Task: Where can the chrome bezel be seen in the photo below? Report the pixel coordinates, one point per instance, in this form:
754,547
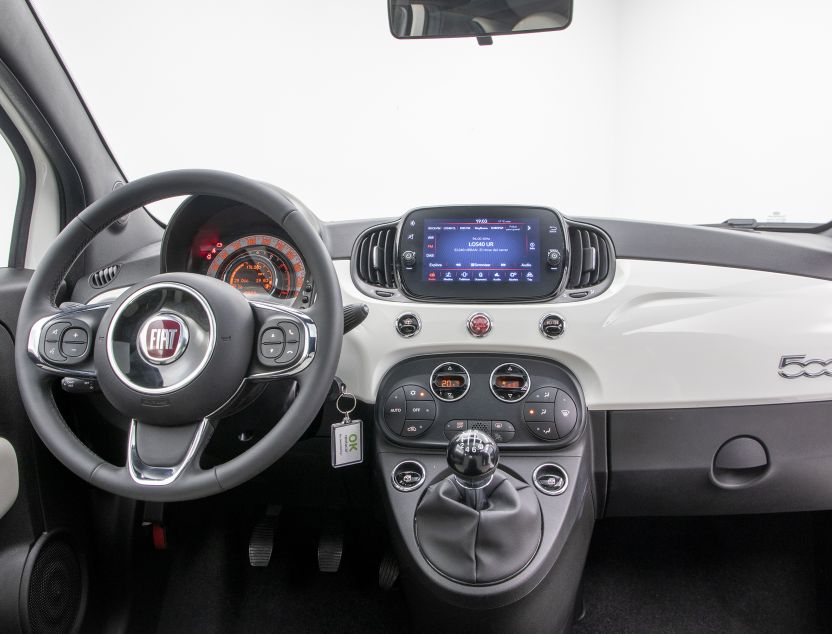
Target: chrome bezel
310,342
544,318
409,313
397,486
525,391
560,491
467,382
471,317
181,343
212,338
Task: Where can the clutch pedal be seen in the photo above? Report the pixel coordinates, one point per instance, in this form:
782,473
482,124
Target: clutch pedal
261,543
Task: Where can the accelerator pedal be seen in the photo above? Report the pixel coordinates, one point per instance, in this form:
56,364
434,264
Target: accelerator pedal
261,543
331,545
388,571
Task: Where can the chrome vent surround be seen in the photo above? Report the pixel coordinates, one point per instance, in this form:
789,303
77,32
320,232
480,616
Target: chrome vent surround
590,257
103,277
374,256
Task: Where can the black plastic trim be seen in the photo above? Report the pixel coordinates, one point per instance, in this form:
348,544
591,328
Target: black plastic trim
26,190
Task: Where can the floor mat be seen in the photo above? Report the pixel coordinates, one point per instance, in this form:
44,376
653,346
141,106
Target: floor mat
211,588
731,574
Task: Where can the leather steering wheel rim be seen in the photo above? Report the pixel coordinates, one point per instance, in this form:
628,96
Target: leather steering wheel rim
39,300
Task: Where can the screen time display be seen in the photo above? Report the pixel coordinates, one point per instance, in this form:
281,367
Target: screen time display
481,251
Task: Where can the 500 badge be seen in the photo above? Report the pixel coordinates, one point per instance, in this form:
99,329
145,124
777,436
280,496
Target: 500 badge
797,366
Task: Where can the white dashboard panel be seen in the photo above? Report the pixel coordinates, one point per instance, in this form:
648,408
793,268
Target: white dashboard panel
664,335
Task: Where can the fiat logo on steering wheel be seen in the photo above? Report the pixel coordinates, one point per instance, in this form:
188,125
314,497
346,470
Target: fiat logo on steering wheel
163,338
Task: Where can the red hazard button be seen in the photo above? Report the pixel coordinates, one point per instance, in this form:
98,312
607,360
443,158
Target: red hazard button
479,324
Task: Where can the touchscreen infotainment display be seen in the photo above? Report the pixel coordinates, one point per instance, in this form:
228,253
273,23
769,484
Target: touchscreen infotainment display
481,253
489,250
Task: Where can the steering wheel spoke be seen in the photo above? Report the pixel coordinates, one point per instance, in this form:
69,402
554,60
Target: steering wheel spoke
62,343
157,455
285,341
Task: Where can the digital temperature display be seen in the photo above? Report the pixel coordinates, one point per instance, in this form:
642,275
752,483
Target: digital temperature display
446,382
509,383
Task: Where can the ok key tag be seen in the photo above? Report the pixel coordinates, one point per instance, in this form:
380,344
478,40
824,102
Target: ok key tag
347,443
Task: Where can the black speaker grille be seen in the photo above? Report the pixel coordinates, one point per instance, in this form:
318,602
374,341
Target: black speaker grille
55,588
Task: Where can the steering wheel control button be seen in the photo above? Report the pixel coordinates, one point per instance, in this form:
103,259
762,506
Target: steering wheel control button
421,410
449,381
479,324
417,393
544,431
509,382
414,428
550,479
291,351
502,431
408,325
566,414
271,350
55,330
394,410
74,335
290,330
552,326
52,351
73,350
273,336
453,427
408,476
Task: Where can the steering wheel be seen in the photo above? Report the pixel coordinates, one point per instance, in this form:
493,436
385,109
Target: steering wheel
175,352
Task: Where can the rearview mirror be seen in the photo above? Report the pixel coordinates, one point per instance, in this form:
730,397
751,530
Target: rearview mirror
476,18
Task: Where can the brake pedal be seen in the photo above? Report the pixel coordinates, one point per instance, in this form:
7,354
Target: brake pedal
388,571
331,546
261,543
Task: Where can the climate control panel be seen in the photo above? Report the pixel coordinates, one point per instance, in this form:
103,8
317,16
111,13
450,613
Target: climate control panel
522,402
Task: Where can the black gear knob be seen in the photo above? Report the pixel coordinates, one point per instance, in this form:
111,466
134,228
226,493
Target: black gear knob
473,456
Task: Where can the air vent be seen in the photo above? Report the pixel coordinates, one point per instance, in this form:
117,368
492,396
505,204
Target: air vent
373,256
589,258
101,278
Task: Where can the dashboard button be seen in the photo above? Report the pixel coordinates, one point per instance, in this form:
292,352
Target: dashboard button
421,410
502,431
271,351
544,431
416,393
552,326
55,330
539,413
413,428
543,395
394,411
273,336
408,324
566,414
453,427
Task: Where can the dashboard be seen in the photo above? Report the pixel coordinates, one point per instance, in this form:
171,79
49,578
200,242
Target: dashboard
662,343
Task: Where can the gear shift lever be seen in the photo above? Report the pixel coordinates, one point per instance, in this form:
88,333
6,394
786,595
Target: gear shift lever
473,456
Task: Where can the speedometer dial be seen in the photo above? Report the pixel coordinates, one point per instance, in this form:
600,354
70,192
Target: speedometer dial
260,265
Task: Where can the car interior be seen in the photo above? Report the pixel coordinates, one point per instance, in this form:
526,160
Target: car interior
454,418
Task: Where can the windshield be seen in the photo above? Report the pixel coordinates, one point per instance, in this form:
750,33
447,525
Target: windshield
690,111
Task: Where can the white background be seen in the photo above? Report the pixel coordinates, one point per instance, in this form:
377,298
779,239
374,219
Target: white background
675,110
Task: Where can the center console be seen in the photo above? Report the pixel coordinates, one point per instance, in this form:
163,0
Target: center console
485,467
